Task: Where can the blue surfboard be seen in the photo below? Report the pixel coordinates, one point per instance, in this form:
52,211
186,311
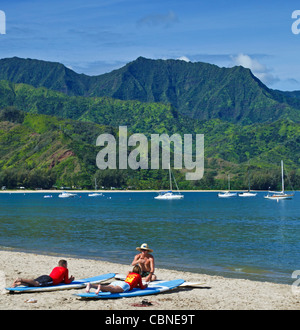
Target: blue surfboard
74,285
154,289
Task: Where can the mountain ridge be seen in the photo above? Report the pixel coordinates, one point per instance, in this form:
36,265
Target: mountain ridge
198,90
53,141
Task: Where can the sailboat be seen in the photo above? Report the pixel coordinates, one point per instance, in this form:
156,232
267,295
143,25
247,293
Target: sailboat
248,193
227,193
95,194
276,195
66,195
170,194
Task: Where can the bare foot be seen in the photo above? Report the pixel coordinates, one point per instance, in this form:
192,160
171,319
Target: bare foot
17,282
98,289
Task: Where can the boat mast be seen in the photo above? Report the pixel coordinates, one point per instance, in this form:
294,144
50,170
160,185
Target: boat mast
248,181
282,179
170,177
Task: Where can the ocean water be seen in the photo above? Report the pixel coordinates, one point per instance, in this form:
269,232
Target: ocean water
250,238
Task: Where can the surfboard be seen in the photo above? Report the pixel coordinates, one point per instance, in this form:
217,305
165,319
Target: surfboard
184,284
153,289
74,285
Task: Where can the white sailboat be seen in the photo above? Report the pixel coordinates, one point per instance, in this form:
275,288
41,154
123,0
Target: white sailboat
248,193
170,194
48,196
277,195
95,194
227,194
66,195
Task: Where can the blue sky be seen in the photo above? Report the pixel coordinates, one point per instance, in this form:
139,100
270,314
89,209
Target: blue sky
95,37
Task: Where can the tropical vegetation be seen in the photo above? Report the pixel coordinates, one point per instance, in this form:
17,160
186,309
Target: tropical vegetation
50,118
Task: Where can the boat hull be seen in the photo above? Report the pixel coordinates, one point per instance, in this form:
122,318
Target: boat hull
169,197
279,197
227,195
247,195
66,195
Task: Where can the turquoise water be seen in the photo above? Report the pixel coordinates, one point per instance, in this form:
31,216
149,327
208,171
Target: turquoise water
240,237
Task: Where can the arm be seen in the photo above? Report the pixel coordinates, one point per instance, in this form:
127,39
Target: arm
136,260
141,285
152,267
68,280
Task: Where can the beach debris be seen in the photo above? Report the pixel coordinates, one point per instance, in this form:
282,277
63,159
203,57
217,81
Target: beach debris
31,300
144,303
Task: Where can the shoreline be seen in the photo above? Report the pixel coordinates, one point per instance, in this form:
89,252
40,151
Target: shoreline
227,273
48,191
215,293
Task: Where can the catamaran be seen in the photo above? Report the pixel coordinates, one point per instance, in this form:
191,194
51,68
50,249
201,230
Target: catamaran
276,195
170,194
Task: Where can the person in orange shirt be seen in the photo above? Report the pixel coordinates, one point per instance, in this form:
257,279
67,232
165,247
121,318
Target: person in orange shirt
133,280
58,275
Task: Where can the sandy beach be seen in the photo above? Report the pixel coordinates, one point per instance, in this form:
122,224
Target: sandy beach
216,293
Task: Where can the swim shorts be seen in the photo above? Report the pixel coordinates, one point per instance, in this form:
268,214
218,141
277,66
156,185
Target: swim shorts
44,280
145,274
125,286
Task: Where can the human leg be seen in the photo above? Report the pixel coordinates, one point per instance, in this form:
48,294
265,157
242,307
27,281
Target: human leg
24,281
114,287
89,286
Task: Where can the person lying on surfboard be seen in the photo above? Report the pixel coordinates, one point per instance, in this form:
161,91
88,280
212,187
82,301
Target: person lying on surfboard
58,275
146,262
133,280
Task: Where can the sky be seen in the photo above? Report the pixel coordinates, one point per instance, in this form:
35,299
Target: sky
98,36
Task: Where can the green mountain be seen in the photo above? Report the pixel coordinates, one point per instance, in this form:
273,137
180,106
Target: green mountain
140,117
39,151
50,118
39,73
197,90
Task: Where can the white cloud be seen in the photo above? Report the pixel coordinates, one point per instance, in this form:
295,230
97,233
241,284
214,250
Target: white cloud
258,69
184,58
247,62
